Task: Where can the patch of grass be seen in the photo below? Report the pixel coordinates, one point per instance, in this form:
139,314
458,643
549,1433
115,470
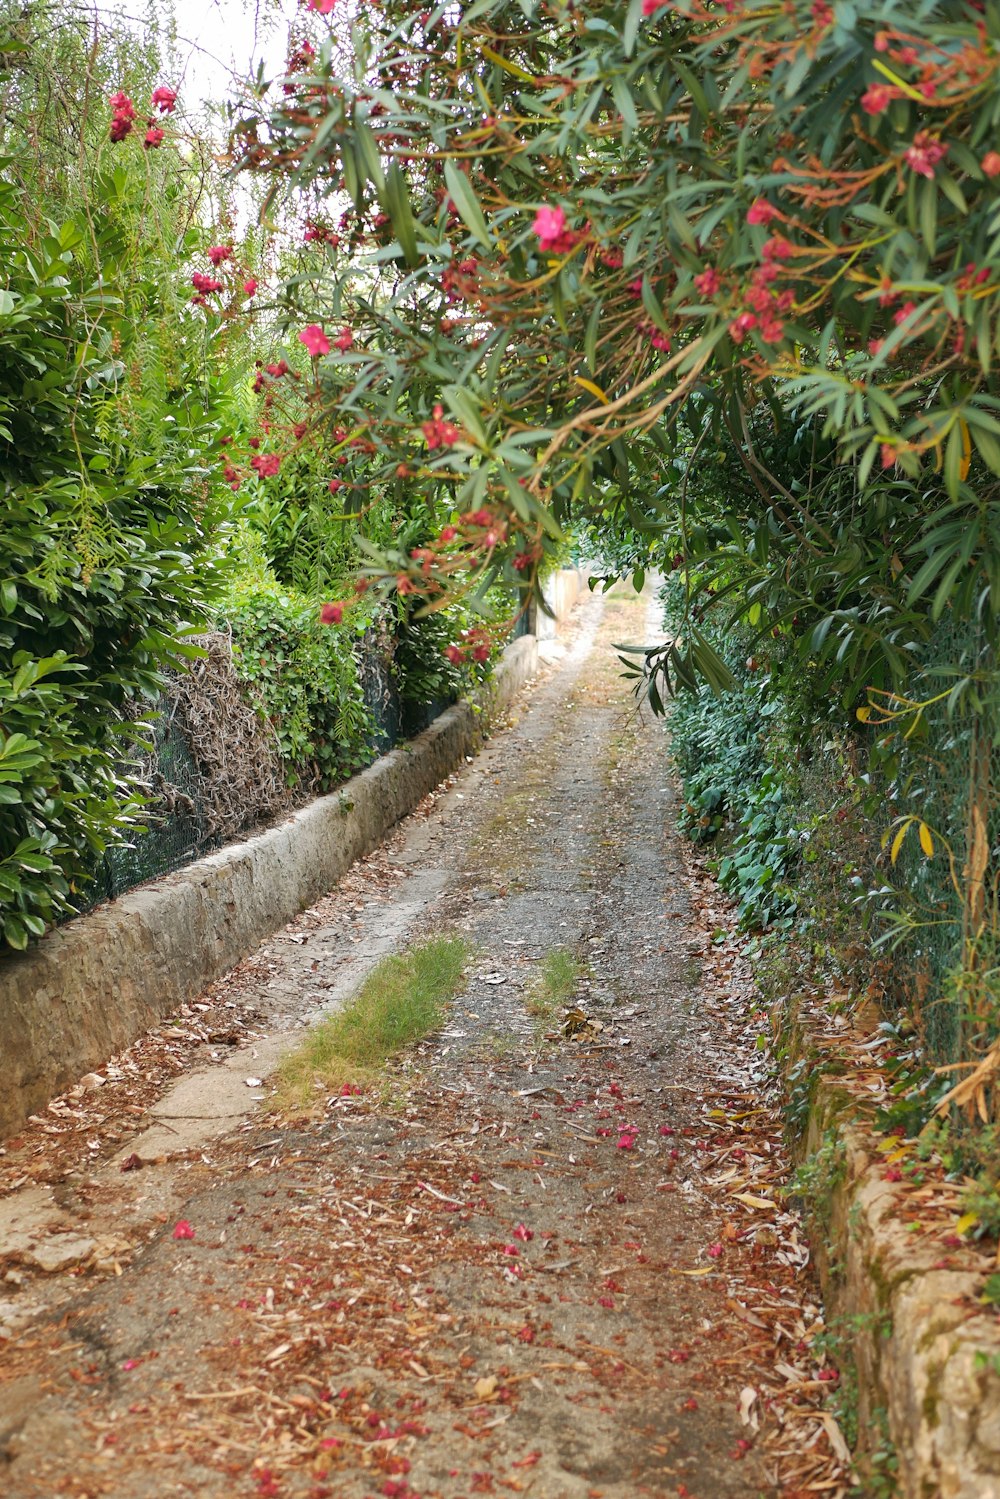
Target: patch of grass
402,999
555,985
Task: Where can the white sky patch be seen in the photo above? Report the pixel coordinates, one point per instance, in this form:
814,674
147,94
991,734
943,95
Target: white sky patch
221,42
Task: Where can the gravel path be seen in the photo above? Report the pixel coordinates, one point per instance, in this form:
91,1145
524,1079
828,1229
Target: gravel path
523,1270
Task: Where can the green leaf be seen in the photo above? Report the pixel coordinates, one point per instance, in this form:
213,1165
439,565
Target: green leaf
465,201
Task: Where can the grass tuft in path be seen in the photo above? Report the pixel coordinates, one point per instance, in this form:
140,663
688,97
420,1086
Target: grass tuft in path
555,986
402,999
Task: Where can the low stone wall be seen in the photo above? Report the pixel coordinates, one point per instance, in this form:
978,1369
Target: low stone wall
928,1364
561,592
90,988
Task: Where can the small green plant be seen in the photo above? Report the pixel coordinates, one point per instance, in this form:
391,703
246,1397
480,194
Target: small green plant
402,999
819,1176
555,985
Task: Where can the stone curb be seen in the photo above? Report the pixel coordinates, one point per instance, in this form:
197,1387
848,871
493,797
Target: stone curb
89,989
928,1371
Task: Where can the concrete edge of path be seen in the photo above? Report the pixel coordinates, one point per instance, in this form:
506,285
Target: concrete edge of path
91,988
928,1366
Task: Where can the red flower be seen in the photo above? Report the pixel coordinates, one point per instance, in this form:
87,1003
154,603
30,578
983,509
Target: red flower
331,614
203,283
250,286
549,225
448,533
164,99
714,1251
887,454
183,1230
991,163
153,137
218,253
650,7
708,281
322,7
925,153
740,326
877,96
122,105
511,1250
344,340
315,340
761,212
335,485
454,654
439,433
523,1233
266,465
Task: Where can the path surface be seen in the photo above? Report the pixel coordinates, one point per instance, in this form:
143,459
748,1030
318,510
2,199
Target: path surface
527,1271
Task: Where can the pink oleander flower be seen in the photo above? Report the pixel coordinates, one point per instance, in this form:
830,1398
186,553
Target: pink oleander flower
315,340
164,99
877,97
266,465
549,225
708,281
925,153
761,212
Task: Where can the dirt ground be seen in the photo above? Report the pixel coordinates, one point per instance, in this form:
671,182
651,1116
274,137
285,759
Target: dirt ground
553,1263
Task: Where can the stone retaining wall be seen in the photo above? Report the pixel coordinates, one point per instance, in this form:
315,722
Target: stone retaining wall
928,1363
90,988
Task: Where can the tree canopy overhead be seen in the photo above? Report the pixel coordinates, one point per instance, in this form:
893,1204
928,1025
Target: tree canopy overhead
540,232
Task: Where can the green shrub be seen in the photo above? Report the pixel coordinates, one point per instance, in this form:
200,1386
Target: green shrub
108,551
303,676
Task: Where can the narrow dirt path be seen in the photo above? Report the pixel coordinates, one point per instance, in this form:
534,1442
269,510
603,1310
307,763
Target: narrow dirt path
548,1264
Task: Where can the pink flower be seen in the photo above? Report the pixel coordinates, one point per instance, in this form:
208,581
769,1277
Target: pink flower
877,96
153,137
344,340
607,1301
322,7
331,614
523,1233
626,1140
887,455
164,99
203,283
218,253
761,212
439,433
454,654
991,164
511,1250
448,533
740,326
549,225
266,465
250,286
650,7
315,340
183,1230
714,1251
925,153
122,105
708,281
335,486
